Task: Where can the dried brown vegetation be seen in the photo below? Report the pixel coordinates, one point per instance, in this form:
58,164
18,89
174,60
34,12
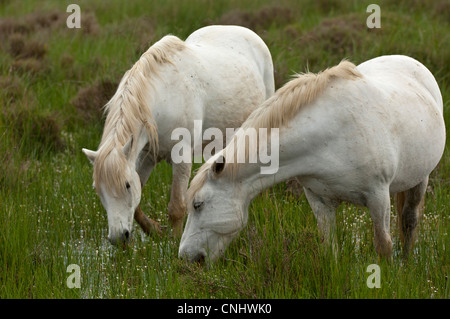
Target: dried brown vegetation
41,129
28,54
90,100
44,22
257,20
33,128
25,39
20,48
12,88
442,9
337,35
31,66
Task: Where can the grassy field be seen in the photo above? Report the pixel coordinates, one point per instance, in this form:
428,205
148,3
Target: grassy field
53,83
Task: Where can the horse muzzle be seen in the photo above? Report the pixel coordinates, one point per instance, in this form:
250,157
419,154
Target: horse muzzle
118,238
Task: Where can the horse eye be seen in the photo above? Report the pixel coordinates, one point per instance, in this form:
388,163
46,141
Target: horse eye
198,205
127,185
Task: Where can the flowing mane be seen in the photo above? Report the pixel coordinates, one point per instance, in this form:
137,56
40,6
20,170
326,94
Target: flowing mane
304,89
276,112
128,111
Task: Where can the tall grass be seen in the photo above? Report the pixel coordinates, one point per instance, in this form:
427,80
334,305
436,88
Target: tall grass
50,217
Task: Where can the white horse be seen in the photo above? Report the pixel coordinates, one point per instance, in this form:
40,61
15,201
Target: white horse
218,75
355,134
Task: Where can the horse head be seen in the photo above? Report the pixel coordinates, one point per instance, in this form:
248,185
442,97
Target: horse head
119,187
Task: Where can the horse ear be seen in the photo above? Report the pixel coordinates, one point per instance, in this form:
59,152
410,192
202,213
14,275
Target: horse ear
218,165
127,147
91,155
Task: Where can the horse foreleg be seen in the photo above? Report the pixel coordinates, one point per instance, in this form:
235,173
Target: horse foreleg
325,212
144,169
177,205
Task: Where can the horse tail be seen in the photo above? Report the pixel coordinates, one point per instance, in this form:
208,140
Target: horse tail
399,204
400,199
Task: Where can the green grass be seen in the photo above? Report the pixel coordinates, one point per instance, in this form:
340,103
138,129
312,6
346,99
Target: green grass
50,217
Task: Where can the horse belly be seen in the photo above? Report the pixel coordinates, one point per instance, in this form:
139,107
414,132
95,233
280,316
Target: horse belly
333,159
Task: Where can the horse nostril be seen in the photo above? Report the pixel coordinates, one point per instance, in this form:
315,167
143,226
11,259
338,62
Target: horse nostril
127,234
200,259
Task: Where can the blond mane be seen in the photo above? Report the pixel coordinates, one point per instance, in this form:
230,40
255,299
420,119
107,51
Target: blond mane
128,112
277,111
304,89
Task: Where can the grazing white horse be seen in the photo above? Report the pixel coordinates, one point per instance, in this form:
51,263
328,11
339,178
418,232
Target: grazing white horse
218,75
355,134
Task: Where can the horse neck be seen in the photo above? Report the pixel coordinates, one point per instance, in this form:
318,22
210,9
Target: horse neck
145,161
258,177
141,141
256,182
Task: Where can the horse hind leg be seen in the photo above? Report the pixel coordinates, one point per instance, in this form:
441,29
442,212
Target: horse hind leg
410,206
